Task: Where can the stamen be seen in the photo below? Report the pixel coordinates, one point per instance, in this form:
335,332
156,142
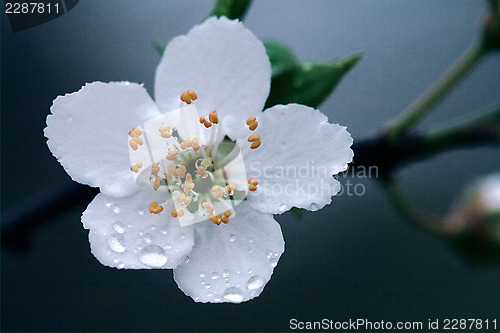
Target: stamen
156,183
224,219
227,213
192,94
165,131
155,168
133,144
202,120
251,120
253,126
253,184
255,144
137,140
213,117
216,219
177,213
136,131
252,188
253,138
207,124
135,168
154,208
172,154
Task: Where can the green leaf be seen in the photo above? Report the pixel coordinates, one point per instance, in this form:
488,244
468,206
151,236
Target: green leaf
281,57
308,83
232,9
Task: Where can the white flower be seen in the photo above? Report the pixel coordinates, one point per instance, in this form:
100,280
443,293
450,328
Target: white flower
227,67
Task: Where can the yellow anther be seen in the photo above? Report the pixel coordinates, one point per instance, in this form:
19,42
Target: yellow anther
205,204
253,126
189,178
180,213
156,183
183,145
155,168
182,196
154,208
166,135
187,201
201,172
192,94
250,121
207,124
213,117
208,207
216,219
135,168
202,120
255,144
224,219
188,186
133,144
252,188
138,140
136,131
186,98
253,137
219,194
228,189
181,171
227,213
164,129
195,141
173,213
253,181
173,152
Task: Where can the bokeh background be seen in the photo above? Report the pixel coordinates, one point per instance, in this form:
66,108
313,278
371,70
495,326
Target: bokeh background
354,259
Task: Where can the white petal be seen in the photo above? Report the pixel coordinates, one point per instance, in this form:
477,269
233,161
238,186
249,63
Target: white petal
232,262
124,234
224,63
88,133
300,152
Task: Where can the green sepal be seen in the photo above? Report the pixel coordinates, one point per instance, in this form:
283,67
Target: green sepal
232,9
308,83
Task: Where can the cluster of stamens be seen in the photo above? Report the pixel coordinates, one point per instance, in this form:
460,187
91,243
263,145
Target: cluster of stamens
179,178
135,140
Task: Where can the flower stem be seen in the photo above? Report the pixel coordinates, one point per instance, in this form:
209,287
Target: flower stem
407,209
425,102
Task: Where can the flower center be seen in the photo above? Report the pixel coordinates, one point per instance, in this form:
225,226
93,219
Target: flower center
204,176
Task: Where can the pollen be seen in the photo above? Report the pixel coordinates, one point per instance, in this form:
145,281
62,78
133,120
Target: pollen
136,131
253,181
177,213
165,131
202,120
154,208
155,168
156,183
252,123
172,154
138,140
253,138
135,168
188,96
207,124
251,120
133,144
255,144
252,188
227,213
213,117
215,218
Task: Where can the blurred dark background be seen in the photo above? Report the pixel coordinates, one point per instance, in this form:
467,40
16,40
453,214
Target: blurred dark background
354,259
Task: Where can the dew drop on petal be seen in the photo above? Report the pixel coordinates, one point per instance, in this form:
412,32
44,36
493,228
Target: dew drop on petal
119,227
274,262
115,243
215,275
207,286
226,273
233,294
185,260
168,246
282,208
232,238
255,282
116,209
313,207
153,256
202,274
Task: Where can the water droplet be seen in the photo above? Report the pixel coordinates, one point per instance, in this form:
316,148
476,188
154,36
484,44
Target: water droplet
250,271
140,212
210,295
226,273
168,246
147,238
313,207
119,227
185,260
215,275
233,294
232,238
121,265
269,254
115,261
108,204
282,208
207,286
255,282
115,243
153,256
274,262
202,282
116,209
202,274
